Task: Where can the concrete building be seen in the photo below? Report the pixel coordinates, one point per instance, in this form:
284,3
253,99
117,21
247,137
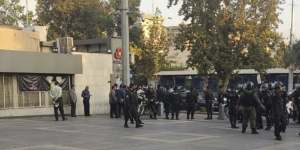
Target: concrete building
177,57
24,54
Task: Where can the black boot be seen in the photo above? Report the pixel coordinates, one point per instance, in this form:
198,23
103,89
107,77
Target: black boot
268,128
138,126
254,131
278,138
244,130
126,126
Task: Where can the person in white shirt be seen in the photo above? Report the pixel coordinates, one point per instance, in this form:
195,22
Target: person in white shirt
56,95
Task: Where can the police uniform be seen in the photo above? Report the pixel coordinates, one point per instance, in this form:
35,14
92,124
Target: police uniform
208,103
150,94
296,96
265,96
278,112
175,105
232,105
167,103
191,101
130,108
248,102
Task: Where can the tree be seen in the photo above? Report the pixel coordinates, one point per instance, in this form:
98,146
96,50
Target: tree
292,56
225,35
12,13
80,19
155,48
134,11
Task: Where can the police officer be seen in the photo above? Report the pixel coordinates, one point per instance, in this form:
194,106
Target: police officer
208,96
150,94
167,102
175,104
248,102
278,112
113,102
296,97
130,106
191,101
233,98
120,93
265,96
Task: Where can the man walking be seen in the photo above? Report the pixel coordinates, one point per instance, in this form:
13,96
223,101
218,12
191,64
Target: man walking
232,105
265,96
86,100
278,112
73,98
130,107
56,95
248,102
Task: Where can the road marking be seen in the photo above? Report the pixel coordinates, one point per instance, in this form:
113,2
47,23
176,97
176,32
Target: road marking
41,147
159,137
281,146
58,130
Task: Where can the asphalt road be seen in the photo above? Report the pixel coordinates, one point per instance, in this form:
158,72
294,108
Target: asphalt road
102,133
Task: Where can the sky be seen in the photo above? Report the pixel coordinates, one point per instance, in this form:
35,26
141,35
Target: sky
173,19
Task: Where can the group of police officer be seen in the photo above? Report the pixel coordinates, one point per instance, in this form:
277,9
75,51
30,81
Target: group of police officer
248,104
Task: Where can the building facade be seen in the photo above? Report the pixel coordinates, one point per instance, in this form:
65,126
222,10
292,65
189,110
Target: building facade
28,64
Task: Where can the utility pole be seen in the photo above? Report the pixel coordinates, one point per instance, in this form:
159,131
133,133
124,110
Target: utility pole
125,42
292,66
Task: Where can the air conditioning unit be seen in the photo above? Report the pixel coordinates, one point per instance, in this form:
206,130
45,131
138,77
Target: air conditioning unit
64,45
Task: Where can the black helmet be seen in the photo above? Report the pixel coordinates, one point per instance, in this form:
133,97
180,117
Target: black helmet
249,85
277,86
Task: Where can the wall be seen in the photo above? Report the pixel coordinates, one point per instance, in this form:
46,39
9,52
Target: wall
97,69
33,62
15,39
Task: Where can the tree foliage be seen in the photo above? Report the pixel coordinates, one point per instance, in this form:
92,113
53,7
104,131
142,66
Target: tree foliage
225,35
155,48
292,56
12,13
80,19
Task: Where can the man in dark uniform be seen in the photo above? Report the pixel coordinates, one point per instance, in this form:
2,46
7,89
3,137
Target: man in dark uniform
161,94
130,107
233,98
120,93
191,101
265,97
86,100
278,112
167,102
150,94
296,96
248,103
208,96
175,104
113,102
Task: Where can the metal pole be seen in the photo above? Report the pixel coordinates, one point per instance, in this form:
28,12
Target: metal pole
291,67
125,42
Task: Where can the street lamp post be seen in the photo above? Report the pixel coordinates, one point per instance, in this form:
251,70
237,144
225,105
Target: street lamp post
125,42
292,66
